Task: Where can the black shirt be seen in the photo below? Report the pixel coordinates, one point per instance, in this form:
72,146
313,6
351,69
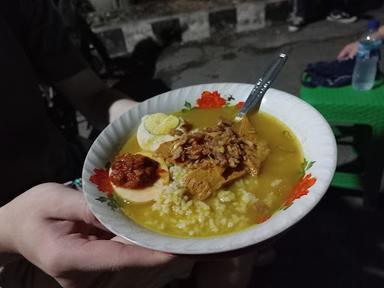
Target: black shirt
33,49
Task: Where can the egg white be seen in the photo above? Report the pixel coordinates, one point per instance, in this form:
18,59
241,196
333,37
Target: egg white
150,142
146,194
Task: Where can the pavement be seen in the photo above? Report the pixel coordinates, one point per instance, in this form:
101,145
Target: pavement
241,57
340,243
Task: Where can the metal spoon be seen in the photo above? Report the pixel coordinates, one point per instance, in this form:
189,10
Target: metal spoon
252,104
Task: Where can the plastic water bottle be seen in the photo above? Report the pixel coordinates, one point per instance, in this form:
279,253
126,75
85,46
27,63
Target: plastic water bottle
367,58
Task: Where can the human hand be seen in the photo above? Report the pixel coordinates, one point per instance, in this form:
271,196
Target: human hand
349,51
51,226
119,107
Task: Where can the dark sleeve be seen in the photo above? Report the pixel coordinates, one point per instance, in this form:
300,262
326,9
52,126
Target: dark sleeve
47,43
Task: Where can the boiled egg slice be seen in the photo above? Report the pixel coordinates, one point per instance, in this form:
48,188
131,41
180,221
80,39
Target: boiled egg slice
155,129
146,194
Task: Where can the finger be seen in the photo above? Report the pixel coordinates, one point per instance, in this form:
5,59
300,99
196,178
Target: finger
89,230
122,240
352,53
111,255
342,54
68,204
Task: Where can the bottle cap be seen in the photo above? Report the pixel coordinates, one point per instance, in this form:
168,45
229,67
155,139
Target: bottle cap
373,24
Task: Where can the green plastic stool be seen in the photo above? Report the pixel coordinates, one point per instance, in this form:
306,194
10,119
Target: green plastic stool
345,105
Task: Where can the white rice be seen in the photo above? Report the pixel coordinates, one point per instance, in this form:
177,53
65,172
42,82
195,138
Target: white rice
225,212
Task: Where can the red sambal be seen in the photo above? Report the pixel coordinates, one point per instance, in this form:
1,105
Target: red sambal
134,171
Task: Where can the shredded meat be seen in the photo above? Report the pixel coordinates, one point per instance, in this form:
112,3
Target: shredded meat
134,171
256,150
216,156
227,145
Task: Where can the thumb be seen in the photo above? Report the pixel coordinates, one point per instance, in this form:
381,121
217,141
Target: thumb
112,255
67,204
98,254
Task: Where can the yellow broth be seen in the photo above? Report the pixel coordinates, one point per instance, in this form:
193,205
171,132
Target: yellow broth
280,172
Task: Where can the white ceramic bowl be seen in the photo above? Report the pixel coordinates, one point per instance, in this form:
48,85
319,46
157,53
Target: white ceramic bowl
308,125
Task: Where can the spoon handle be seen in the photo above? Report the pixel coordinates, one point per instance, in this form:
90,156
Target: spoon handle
254,99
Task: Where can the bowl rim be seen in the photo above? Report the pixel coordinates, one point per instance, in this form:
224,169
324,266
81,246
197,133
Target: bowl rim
215,244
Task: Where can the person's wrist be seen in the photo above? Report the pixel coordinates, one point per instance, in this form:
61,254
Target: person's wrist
6,231
8,250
